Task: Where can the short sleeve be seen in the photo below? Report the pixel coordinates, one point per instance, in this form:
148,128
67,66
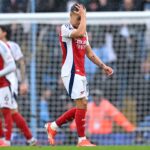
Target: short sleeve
5,53
66,30
16,51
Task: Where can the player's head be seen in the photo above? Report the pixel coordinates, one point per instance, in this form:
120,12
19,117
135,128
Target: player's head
75,18
97,95
5,32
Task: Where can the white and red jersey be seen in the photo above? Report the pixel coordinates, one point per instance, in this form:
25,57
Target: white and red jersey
17,55
73,51
5,58
15,50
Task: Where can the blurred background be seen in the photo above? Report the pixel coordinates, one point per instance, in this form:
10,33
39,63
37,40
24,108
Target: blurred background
119,107
16,6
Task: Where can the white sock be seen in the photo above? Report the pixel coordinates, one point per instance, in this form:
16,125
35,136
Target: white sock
30,140
7,142
54,126
81,138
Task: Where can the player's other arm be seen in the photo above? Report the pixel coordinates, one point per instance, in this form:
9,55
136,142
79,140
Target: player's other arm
23,85
21,64
8,60
81,30
96,60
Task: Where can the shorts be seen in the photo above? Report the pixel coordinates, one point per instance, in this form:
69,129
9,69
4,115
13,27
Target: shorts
7,98
76,86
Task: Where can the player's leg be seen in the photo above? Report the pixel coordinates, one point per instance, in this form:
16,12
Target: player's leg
76,87
53,127
1,128
21,123
69,115
5,104
81,105
80,93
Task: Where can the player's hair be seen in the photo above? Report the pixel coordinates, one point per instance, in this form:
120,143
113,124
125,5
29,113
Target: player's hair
7,29
73,7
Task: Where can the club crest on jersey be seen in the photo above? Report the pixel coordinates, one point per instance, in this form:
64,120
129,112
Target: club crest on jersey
82,92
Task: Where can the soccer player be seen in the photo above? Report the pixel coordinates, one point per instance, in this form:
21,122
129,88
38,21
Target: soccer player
15,50
7,68
75,45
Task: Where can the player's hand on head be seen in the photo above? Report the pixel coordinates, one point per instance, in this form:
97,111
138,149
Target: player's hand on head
108,70
23,88
81,9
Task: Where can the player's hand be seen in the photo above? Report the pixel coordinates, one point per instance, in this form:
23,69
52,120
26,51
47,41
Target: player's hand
81,10
23,88
108,70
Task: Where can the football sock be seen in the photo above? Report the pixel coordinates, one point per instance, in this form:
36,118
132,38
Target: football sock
8,142
8,122
54,126
1,129
67,116
81,138
80,122
22,125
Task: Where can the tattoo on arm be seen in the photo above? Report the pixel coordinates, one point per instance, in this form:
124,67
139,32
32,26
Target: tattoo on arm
22,70
92,57
97,61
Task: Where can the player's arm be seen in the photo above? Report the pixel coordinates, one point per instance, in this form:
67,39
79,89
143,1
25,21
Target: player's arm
81,30
23,85
96,60
19,58
22,67
9,62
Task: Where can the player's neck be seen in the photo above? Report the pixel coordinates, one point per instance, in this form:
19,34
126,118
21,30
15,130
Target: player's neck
4,40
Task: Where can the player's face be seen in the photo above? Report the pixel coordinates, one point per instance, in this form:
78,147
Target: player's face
2,34
75,20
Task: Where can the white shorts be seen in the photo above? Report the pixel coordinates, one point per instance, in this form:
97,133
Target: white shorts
76,86
7,98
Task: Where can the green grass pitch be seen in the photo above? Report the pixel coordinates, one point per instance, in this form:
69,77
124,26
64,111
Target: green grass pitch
76,148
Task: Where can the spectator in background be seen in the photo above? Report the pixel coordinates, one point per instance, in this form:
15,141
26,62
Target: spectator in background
98,5
146,5
104,6
43,107
51,5
93,5
128,5
130,49
45,5
14,6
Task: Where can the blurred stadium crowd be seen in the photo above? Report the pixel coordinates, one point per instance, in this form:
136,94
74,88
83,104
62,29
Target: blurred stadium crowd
15,6
124,47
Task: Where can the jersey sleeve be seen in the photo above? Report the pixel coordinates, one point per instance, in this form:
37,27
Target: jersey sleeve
66,30
6,54
9,63
16,51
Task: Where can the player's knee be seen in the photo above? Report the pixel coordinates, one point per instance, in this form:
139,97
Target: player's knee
13,111
81,103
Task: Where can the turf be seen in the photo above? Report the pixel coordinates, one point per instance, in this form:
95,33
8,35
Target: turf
77,148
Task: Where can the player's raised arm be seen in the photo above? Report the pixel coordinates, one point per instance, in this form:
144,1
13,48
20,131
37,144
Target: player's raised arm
78,19
96,60
8,60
